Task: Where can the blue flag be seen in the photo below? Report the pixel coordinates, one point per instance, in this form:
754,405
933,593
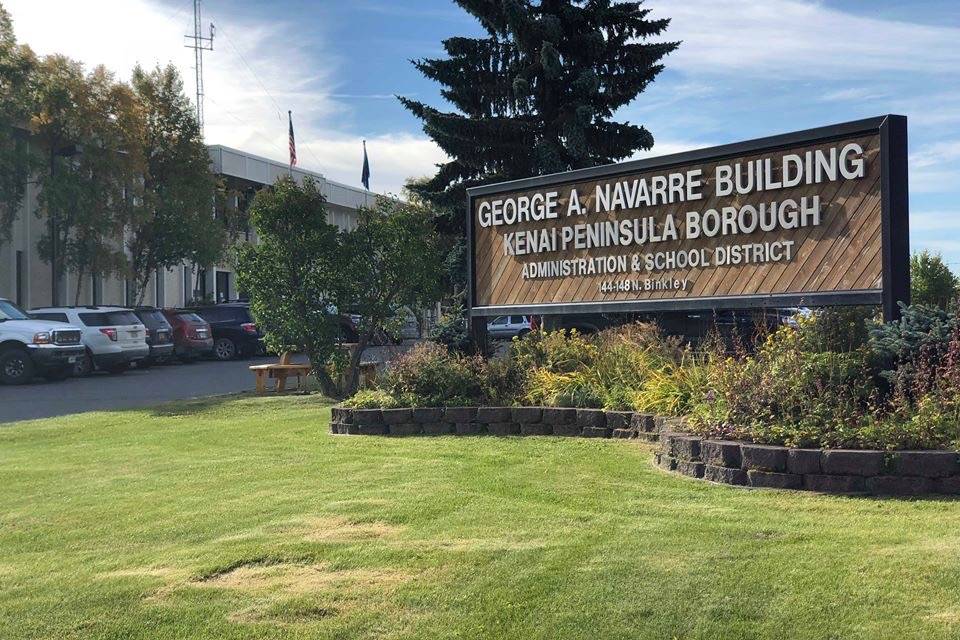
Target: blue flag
365,175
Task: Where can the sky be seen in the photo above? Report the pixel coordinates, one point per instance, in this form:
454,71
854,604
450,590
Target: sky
745,69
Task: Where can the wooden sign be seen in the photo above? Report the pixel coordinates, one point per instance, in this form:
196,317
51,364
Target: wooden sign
810,218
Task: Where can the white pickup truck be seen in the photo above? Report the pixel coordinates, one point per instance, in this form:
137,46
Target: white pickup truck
30,347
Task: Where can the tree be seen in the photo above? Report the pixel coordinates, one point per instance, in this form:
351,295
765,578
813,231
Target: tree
390,260
174,222
291,274
537,94
931,282
16,162
87,130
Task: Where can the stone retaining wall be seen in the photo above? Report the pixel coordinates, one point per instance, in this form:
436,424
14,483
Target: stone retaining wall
825,470
736,463
499,421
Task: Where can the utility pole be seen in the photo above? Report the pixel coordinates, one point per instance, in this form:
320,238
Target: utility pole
199,43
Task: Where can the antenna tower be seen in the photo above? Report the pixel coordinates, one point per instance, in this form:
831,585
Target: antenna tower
199,43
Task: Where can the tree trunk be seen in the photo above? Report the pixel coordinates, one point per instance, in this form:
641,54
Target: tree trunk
76,295
353,372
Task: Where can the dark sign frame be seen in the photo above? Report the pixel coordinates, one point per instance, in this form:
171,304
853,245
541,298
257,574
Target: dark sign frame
894,212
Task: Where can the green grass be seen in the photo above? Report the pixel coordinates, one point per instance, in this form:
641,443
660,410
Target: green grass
244,518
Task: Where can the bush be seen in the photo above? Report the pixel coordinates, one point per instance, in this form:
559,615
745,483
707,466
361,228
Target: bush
451,331
817,384
371,399
429,375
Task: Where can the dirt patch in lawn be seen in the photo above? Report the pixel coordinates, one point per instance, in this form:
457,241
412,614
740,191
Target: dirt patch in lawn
293,578
327,529
289,593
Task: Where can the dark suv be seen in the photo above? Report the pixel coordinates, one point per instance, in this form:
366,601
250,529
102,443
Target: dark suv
234,331
159,335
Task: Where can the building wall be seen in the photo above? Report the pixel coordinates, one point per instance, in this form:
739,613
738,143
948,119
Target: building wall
35,274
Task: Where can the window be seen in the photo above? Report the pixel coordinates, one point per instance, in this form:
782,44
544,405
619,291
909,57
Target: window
52,317
190,317
516,319
154,317
109,318
158,288
10,311
186,284
502,320
19,277
97,289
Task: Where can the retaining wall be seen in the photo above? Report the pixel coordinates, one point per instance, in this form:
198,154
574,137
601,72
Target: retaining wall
824,470
500,421
727,462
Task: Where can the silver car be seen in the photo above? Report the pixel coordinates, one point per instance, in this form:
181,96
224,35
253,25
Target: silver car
506,327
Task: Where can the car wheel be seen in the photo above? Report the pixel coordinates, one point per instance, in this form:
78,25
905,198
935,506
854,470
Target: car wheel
225,349
16,367
60,374
84,366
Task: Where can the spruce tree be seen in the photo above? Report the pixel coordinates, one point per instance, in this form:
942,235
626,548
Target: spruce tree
537,95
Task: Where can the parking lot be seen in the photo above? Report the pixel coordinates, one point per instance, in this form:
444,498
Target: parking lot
142,388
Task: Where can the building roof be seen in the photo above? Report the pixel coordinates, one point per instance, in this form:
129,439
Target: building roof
247,166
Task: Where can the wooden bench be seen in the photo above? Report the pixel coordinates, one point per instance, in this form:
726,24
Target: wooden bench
280,372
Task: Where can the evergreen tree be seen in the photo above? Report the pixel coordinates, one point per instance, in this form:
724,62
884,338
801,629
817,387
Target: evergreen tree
538,93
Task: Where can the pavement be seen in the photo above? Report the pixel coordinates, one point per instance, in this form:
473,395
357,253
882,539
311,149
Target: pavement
140,388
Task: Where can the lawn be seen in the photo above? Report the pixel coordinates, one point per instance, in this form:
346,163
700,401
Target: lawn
244,518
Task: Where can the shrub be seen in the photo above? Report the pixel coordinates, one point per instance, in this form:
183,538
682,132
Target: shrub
451,331
920,329
371,399
430,375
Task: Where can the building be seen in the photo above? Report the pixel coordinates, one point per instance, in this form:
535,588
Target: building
27,279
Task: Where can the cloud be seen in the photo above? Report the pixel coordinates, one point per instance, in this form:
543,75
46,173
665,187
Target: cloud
935,167
250,80
393,158
790,38
853,94
934,221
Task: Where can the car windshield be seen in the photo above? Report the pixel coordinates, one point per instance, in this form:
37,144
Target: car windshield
10,311
109,318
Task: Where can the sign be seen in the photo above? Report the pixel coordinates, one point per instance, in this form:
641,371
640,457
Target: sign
811,218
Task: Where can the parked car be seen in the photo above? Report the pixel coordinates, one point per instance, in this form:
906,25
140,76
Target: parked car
114,337
29,346
508,326
192,336
159,335
234,331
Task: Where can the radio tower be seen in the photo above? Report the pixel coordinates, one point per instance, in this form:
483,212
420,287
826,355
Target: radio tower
199,43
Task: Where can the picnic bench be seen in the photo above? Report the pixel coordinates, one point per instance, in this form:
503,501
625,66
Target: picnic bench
280,371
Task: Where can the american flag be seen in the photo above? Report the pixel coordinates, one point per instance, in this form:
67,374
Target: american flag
293,144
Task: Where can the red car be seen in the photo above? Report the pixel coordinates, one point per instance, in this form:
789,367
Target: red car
192,337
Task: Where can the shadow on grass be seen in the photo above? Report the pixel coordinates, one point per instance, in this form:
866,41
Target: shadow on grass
197,406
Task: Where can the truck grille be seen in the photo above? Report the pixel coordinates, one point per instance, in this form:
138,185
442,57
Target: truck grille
66,338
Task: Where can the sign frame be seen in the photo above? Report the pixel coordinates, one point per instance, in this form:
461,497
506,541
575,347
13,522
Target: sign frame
894,213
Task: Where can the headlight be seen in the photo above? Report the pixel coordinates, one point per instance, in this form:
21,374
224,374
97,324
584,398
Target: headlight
41,338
